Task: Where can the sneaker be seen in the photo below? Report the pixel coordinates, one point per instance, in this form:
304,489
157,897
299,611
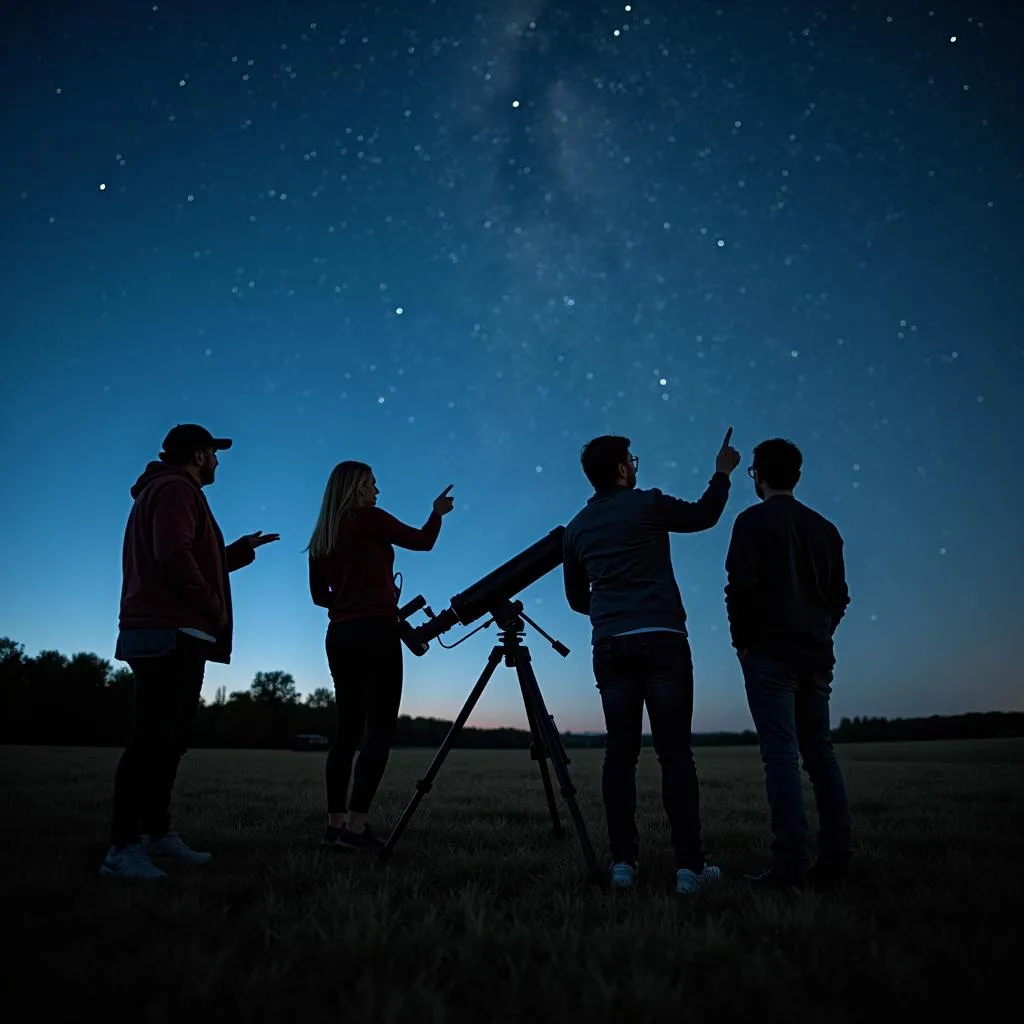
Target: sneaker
129,862
173,847
365,840
690,881
623,875
331,835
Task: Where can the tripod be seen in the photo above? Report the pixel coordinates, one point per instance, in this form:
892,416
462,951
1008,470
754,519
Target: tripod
545,742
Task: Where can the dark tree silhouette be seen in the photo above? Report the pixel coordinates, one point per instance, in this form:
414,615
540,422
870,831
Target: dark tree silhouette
274,686
84,701
321,697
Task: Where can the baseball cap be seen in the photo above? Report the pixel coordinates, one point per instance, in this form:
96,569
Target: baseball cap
190,437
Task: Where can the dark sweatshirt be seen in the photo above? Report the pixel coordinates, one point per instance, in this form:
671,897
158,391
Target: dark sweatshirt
786,590
357,580
175,568
616,561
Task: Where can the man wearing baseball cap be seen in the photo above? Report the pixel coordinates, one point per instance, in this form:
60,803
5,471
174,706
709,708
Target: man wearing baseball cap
175,616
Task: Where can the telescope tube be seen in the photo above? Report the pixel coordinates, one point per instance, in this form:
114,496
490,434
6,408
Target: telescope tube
499,585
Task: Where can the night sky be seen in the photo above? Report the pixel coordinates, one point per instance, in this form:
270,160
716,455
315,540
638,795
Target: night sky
456,240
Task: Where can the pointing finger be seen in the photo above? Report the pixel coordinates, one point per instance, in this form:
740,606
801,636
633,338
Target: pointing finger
728,438
444,493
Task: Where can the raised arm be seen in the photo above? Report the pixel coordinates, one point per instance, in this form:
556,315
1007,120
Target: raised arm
383,526
678,516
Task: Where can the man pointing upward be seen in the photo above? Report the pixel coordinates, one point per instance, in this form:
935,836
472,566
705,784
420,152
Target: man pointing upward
617,569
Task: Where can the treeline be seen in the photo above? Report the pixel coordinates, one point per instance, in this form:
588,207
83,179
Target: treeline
82,700
976,725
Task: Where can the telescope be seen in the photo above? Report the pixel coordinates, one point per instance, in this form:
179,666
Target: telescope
494,594
487,594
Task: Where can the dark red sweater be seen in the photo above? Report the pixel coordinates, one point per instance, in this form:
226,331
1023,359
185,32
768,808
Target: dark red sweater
358,580
174,562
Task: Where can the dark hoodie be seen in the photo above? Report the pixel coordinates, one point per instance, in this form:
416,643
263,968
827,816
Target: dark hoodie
175,567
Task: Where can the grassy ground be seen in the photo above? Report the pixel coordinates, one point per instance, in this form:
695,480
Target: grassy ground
482,916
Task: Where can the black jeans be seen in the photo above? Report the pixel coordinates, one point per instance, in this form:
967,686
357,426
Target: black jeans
167,692
656,669
365,658
790,709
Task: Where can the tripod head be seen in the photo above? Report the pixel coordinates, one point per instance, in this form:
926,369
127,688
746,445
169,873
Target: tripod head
509,617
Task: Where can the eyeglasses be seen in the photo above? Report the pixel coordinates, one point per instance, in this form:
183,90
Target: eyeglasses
635,459
750,472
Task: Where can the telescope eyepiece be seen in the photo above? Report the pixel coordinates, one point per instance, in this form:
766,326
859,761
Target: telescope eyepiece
413,606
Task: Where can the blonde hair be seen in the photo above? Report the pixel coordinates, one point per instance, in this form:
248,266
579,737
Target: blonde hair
340,496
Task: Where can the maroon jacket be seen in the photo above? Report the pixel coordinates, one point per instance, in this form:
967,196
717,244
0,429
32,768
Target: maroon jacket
358,580
174,562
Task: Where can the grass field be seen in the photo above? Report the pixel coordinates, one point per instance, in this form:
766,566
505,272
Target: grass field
482,916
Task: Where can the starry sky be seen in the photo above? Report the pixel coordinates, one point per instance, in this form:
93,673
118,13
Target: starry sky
456,240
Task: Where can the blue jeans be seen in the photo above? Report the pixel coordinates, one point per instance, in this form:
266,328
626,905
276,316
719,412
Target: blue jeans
656,669
790,709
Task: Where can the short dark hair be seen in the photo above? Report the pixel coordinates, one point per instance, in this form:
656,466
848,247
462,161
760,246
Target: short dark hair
601,457
778,463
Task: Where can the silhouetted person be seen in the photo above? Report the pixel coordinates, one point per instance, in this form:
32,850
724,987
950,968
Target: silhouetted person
785,596
175,617
618,570
351,573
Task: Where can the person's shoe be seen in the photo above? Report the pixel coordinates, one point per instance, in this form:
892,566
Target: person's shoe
129,862
331,835
688,880
623,875
365,840
173,847
771,879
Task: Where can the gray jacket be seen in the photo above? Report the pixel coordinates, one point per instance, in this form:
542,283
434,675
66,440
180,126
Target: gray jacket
616,560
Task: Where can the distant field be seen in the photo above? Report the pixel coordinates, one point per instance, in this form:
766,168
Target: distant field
481,916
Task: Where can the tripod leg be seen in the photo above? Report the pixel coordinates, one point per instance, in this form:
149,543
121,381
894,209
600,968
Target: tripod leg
548,732
540,753
424,784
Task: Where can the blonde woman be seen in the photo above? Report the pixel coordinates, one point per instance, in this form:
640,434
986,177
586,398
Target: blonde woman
351,574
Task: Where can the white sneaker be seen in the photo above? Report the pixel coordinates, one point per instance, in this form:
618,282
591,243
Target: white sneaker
623,875
173,847
129,862
691,881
